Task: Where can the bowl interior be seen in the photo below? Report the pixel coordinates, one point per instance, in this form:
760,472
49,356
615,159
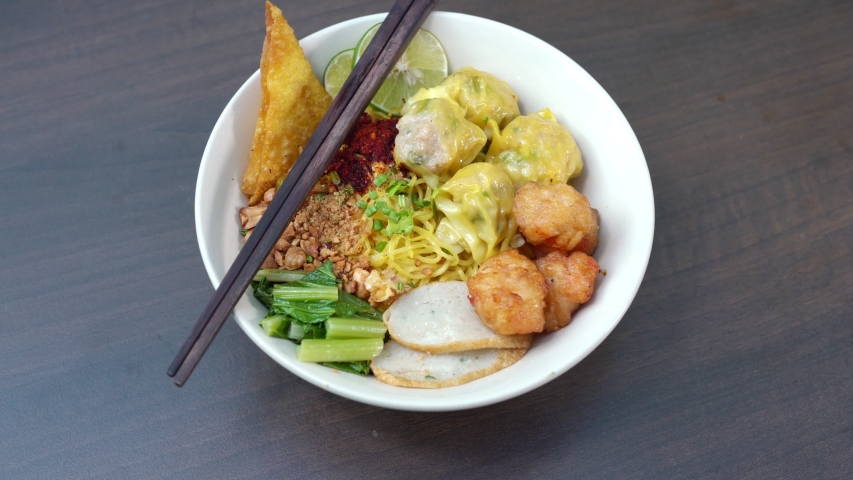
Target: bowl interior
615,179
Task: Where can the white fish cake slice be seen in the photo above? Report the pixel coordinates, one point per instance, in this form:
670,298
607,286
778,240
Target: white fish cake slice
438,318
404,367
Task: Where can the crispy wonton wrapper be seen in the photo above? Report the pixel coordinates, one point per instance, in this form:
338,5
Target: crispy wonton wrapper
292,104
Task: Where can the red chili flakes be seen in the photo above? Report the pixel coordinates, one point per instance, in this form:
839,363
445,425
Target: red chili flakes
354,169
370,141
374,139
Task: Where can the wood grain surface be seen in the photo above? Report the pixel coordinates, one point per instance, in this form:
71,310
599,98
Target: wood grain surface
734,361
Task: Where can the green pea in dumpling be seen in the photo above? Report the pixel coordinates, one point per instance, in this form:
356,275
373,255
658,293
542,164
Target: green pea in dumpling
435,140
477,208
483,96
536,148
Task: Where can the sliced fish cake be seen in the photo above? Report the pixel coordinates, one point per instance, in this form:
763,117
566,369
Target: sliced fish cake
438,318
404,367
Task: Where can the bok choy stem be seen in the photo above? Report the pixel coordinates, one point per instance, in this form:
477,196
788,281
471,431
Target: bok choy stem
337,350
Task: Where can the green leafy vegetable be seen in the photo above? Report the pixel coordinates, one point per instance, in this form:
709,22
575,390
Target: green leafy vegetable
263,291
348,350
310,300
279,276
276,326
351,306
313,331
340,327
359,368
300,311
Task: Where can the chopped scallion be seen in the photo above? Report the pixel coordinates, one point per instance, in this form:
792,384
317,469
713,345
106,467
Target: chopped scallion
380,179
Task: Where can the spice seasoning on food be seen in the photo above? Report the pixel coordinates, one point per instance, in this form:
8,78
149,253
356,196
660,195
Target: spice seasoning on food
374,139
369,142
353,169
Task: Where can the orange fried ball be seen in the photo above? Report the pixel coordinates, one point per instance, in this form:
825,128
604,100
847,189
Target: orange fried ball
571,281
508,293
557,217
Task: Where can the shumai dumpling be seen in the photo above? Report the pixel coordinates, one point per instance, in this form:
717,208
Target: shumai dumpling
435,140
477,207
483,96
536,148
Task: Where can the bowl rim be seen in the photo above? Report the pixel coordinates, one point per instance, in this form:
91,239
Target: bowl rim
445,403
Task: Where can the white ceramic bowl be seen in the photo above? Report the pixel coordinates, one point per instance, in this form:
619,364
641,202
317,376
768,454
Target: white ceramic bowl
615,179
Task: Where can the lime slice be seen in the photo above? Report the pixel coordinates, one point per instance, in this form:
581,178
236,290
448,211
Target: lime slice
422,65
337,71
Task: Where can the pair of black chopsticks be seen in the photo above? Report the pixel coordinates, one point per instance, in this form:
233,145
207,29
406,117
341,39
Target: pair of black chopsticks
392,38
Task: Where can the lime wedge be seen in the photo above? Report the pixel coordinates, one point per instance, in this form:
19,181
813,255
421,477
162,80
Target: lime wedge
337,71
422,65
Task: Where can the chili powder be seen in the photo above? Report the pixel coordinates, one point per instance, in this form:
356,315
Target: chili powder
369,141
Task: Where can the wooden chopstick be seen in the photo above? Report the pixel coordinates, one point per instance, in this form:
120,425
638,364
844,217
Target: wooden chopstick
386,47
257,244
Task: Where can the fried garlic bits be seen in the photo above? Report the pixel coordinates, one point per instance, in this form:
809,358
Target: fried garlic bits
508,293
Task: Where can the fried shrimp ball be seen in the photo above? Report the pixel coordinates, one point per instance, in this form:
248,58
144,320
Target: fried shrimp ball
508,293
558,217
571,281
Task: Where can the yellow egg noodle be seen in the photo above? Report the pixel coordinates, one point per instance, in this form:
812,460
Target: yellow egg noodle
418,257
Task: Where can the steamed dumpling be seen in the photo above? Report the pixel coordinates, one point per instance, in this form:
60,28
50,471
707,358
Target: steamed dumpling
477,208
483,96
435,140
536,148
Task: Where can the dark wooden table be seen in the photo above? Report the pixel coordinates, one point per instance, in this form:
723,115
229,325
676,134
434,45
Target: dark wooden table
735,360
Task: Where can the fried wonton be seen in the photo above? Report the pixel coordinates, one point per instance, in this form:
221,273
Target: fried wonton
292,104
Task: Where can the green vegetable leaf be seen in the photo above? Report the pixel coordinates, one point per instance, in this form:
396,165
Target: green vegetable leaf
312,331
276,326
359,368
310,300
351,306
263,291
